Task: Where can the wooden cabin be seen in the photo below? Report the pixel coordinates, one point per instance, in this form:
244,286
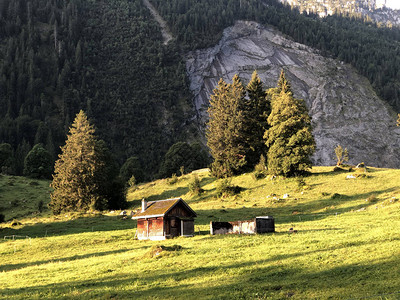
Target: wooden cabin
159,220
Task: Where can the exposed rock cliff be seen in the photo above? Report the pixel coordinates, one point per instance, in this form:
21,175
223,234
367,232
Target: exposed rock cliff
376,10
344,108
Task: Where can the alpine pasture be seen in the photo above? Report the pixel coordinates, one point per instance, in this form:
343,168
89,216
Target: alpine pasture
344,242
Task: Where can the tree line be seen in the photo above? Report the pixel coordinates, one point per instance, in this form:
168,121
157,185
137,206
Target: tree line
250,125
246,124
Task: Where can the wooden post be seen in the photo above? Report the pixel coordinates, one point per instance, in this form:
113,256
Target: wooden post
181,227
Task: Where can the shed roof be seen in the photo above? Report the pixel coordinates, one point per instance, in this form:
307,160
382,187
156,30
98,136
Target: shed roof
161,208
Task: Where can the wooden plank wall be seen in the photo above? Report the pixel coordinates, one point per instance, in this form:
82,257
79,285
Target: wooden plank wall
180,211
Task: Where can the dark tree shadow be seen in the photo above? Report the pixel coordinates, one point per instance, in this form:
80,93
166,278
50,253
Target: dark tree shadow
265,281
10,267
76,226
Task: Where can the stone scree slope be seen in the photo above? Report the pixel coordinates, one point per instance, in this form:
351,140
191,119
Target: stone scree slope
344,108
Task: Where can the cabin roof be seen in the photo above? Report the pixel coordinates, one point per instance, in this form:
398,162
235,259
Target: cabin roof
161,208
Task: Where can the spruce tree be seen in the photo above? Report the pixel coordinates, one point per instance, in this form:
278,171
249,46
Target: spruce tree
256,109
78,173
289,137
225,128
283,84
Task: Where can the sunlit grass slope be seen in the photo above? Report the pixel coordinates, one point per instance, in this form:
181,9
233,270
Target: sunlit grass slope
21,197
347,245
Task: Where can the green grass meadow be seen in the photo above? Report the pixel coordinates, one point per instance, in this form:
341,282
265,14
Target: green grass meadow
346,243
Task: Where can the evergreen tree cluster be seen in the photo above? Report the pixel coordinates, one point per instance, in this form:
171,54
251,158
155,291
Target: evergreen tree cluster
248,124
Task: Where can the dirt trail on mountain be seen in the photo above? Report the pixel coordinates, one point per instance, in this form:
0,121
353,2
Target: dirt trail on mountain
166,33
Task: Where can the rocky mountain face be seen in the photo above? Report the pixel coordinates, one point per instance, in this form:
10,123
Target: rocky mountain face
376,10
385,16
344,108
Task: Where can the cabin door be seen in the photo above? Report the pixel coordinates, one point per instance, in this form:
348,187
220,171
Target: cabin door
187,227
175,226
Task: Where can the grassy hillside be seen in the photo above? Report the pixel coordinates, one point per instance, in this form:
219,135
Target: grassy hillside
346,245
22,197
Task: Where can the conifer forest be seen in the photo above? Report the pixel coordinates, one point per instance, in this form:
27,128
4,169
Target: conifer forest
108,58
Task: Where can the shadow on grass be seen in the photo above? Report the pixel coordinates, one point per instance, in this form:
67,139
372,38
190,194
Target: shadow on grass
175,193
290,212
207,180
273,277
370,170
10,267
168,194
76,226
282,214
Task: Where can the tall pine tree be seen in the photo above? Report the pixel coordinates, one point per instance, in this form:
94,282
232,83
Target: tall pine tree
79,171
256,108
289,137
225,128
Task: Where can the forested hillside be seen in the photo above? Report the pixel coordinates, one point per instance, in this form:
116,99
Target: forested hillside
108,58
373,50
105,57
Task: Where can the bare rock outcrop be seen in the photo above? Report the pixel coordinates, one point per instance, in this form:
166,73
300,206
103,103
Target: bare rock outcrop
344,108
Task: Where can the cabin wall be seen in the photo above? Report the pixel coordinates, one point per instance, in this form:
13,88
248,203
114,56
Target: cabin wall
257,225
187,227
156,227
141,231
265,224
150,229
236,227
180,210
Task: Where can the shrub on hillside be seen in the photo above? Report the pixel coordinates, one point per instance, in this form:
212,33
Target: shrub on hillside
371,199
174,179
338,196
225,188
260,169
132,182
301,183
194,186
342,155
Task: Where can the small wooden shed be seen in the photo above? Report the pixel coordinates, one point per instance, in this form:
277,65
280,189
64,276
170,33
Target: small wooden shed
159,220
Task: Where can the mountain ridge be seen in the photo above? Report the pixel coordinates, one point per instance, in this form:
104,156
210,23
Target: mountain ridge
375,10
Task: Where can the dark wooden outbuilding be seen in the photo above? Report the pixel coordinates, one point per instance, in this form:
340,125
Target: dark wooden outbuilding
159,220
257,225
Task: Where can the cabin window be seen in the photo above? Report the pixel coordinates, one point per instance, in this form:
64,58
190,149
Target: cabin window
174,222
